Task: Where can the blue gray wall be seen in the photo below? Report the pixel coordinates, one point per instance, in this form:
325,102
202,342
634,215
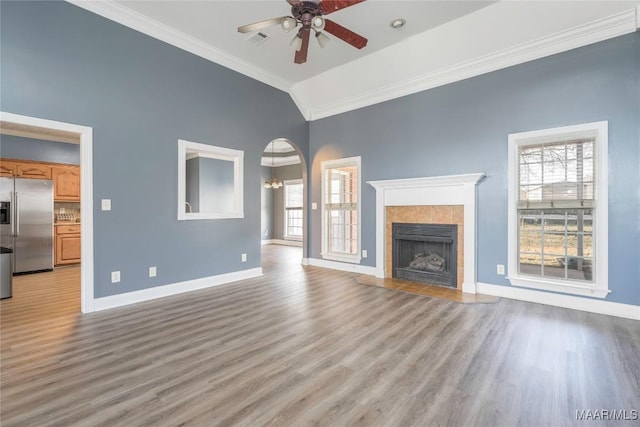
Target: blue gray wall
266,217
16,147
216,182
463,127
140,96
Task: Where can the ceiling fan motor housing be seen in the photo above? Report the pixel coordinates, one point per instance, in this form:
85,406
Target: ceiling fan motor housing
305,12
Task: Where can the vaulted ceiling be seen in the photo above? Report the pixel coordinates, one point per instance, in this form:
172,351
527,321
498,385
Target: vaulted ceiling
442,41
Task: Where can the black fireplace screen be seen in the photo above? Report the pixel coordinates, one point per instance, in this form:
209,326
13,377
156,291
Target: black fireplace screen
426,253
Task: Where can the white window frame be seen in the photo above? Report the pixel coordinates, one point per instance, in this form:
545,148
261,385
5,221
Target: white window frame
599,287
332,164
284,194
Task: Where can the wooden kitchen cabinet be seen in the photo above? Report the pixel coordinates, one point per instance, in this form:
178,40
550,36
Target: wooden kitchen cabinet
8,168
66,178
33,170
67,250
66,185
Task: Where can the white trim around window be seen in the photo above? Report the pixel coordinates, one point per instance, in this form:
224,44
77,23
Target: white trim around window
287,208
598,132
327,165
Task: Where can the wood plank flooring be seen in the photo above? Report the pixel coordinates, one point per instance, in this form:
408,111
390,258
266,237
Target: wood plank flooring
426,290
309,346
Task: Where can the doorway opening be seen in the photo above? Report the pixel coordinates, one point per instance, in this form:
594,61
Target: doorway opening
283,199
75,217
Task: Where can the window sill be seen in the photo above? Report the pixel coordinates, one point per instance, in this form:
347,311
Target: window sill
574,288
353,259
295,239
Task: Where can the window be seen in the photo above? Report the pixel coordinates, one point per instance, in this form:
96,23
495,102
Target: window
341,210
558,209
293,209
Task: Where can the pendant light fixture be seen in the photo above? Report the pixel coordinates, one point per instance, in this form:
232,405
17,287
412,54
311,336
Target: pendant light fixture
272,183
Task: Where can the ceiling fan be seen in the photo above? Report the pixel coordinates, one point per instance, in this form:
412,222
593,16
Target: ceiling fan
310,16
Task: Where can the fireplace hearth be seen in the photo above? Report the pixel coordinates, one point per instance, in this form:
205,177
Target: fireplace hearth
425,253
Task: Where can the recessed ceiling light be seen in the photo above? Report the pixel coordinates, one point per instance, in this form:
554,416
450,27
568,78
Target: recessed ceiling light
398,23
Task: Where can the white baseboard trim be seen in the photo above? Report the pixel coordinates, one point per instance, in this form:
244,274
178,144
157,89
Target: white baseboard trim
627,311
297,243
128,298
342,266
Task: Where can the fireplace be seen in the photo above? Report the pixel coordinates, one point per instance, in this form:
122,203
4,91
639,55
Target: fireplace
429,200
425,253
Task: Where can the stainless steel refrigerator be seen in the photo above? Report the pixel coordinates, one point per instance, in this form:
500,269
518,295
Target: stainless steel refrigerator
26,222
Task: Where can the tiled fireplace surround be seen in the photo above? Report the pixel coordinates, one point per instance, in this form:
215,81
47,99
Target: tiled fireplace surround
431,200
440,214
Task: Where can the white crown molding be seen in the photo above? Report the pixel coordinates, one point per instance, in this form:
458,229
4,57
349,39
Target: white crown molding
300,104
139,22
582,35
627,311
148,294
280,161
430,181
280,145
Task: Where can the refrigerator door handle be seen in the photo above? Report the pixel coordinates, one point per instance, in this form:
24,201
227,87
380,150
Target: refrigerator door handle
12,216
17,216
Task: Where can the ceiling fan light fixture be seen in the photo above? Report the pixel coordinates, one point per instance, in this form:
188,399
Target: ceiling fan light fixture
397,23
288,23
296,42
318,23
323,40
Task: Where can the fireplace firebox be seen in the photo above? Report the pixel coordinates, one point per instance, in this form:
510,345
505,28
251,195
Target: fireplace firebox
425,253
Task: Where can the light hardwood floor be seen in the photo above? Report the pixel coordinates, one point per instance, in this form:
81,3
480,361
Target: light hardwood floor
305,345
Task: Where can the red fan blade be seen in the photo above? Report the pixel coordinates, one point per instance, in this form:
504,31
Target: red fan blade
330,6
301,55
355,40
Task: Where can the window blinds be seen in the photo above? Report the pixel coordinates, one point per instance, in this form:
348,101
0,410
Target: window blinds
557,175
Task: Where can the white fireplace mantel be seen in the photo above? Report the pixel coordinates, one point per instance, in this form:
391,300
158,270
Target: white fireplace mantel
430,191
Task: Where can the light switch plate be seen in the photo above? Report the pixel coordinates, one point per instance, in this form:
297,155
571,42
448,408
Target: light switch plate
314,206
500,269
153,271
115,276
106,204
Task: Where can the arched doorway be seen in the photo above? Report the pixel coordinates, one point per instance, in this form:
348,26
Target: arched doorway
284,205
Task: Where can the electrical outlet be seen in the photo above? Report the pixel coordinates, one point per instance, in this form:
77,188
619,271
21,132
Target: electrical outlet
364,253
314,206
153,271
106,204
244,257
500,269
115,276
